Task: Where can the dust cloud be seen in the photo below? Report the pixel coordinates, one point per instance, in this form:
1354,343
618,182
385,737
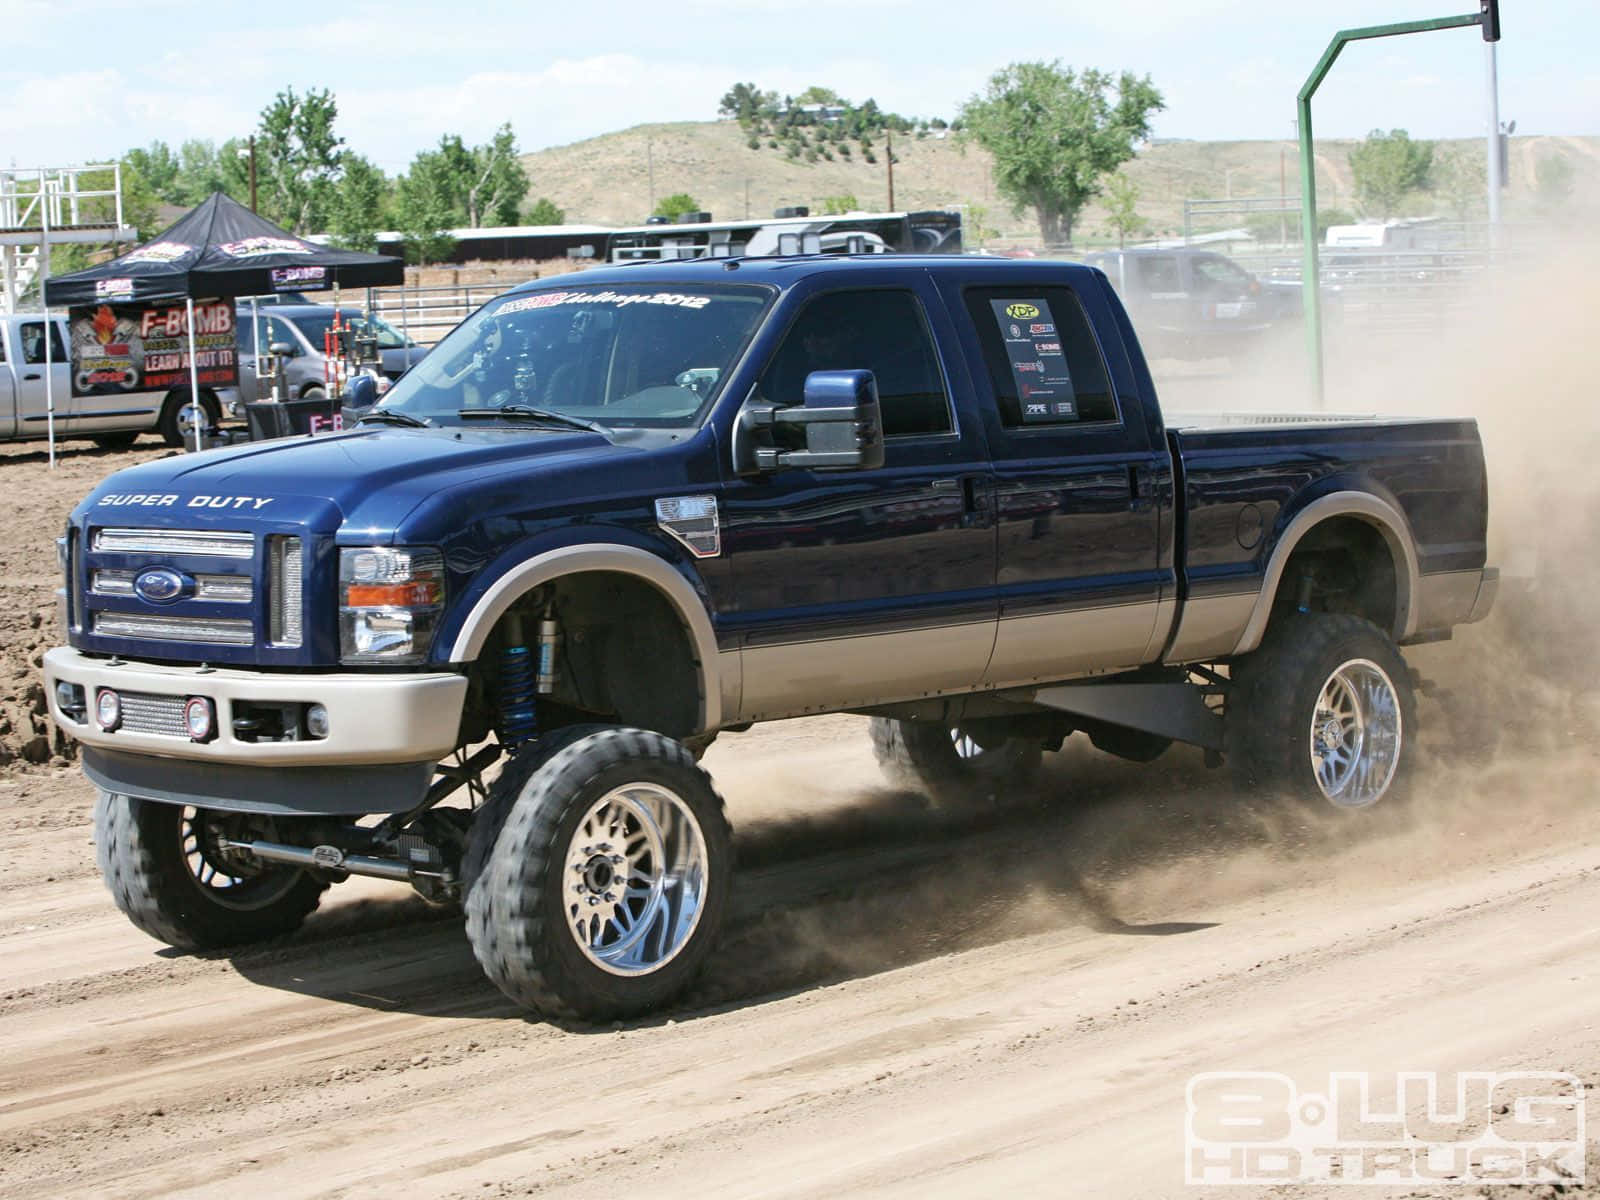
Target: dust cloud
850,874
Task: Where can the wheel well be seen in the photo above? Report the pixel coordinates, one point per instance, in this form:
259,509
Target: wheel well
1344,565
623,655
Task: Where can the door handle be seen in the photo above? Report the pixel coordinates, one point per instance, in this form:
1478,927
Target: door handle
33,375
946,485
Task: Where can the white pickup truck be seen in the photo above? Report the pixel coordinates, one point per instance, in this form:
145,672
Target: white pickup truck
110,420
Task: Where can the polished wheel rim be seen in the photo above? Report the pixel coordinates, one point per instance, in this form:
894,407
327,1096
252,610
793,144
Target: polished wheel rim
635,879
225,876
966,745
1356,734
190,415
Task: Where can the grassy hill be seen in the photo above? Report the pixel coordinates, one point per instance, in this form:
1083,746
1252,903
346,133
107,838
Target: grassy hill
607,179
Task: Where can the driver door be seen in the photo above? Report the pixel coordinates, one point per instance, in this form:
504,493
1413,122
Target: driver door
860,587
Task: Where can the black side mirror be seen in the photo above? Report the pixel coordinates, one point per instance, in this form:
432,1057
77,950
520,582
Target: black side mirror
840,417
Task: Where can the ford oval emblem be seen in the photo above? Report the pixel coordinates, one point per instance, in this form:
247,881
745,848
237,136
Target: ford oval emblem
162,585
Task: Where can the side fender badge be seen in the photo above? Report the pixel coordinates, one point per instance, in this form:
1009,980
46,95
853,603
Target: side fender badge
693,521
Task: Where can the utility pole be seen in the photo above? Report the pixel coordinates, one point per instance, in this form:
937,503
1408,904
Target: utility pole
1496,182
888,159
650,165
252,172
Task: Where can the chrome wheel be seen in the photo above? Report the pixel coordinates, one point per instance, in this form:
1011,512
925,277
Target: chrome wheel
189,416
967,748
1356,734
227,878
635,879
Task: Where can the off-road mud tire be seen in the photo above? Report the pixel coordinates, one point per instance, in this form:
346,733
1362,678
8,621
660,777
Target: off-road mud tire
1274,693
517,907
924,755
139,848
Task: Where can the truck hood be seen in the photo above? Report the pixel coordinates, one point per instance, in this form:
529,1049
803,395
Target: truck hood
368,479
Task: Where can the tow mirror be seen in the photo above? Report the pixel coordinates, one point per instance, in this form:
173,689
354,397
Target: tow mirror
842,426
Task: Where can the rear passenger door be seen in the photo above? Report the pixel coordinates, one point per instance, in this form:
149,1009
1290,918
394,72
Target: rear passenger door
1077,475
856,587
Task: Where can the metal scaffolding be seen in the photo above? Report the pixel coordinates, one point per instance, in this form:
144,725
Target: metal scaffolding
45,206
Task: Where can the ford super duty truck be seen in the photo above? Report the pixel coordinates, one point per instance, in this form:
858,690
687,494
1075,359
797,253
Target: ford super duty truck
613,514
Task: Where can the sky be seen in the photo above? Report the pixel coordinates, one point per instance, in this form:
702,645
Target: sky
82,81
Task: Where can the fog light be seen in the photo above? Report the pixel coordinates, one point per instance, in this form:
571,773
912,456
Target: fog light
107,709
317,721
69,699
200,719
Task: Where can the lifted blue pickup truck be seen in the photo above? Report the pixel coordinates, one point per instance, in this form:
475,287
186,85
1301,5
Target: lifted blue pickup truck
615,513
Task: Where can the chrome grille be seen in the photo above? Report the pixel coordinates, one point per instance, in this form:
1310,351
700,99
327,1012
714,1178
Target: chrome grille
283,557
215,544
211,631
225,589
146,712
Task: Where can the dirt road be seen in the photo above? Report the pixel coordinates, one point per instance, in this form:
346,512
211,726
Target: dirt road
909,1000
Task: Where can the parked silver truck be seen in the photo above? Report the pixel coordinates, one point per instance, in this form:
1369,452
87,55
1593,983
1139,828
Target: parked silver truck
110,419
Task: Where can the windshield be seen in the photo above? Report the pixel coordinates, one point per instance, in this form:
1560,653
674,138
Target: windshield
632,355
389,338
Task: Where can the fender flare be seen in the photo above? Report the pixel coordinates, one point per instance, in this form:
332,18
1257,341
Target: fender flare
1364,506
624,560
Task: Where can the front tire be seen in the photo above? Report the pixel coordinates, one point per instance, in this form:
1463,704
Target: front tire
1324,711
604,890
167,872
961,762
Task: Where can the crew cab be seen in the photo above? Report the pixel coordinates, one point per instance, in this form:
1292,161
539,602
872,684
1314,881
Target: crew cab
110,419
479,642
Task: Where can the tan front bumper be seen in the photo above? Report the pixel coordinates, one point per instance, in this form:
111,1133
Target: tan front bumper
371,718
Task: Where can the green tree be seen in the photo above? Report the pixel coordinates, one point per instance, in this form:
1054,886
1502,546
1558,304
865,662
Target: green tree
975,228
545,212
1460,182
674,206
298,158
425,207
833,206
1387,168
1552,180
1122,201
156,165
493,183
1055,132
360,203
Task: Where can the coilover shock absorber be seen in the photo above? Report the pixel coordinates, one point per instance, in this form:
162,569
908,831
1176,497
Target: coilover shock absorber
519,717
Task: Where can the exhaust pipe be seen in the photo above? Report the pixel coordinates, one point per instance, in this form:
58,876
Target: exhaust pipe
331,858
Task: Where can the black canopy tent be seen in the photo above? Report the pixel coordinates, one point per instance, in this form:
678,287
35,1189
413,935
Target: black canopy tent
218,250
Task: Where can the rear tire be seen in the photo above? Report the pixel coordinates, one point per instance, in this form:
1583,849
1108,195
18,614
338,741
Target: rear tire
954,763
1323,712
176,424
171,879
604,891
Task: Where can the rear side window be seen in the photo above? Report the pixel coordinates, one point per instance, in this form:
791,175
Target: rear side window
882,331
1043,360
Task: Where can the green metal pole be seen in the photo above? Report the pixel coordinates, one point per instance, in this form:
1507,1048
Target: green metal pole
1310,283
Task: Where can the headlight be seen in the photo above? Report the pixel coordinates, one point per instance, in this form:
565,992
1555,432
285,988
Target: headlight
389,603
